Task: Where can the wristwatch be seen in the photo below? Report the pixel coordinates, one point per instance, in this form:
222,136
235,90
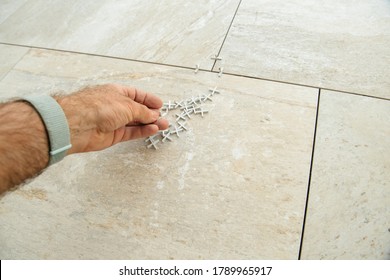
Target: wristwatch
57,127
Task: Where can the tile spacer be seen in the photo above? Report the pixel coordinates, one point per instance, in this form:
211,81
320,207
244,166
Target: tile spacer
216,57
169,105
187,113
182,125
180,117
164,111
206,97
201,111
176,131
165,134
220,71
197,68
179,104
153,144
151,138
214,90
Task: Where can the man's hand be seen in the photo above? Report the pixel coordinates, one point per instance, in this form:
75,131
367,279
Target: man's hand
102,116
98,118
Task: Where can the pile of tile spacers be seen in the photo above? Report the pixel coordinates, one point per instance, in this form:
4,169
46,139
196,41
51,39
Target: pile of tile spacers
187,107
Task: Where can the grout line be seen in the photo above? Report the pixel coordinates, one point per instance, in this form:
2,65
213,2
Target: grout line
227,33
310,173
302,85
357,94
13,66
101,55
192,68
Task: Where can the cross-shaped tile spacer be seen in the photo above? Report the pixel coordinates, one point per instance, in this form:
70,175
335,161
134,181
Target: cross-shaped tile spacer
197,68
182,125
201,111
220,71
165,135
215,57
214,91
206,97
169,105
153,144
179,104
151,138
180,117
187,113
176,131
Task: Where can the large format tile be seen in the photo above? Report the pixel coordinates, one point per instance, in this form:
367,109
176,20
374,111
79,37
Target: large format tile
341,45
349,210
9,56
173,32
8,7
233,186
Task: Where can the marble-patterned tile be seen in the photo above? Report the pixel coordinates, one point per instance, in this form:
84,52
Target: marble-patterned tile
171,32
233,186
339,45
8,7
349,210
9,56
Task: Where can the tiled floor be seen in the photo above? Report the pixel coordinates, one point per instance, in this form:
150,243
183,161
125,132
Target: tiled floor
167,32
9,57
341,45
280,168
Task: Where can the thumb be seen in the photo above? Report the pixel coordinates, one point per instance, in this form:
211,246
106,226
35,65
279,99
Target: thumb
142,114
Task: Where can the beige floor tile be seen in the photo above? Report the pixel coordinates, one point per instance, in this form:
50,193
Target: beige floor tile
339,45
8,7
348,214
9,56
233,186
172,32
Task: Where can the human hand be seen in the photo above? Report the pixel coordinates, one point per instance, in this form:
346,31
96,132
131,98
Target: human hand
102,116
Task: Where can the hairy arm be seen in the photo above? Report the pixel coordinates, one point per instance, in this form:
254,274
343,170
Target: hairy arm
98,117
24,148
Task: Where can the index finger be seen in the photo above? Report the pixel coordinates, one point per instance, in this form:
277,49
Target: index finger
148,99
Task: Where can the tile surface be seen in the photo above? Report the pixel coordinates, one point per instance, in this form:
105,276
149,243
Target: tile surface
232,187
340,45
172,32
8,7
9,56
349,210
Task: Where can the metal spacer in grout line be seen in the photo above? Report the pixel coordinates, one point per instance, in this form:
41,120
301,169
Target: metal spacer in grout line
216,57
197,68
220,71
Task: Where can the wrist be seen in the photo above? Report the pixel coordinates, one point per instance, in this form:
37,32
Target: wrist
76,121
56,125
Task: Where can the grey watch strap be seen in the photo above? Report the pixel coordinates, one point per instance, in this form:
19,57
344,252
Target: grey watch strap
56,124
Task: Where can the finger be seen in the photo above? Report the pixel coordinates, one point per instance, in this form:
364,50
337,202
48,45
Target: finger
162,124
141,114
140,131
148,99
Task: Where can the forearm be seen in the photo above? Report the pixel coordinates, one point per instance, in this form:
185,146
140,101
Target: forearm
24,149
98,117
